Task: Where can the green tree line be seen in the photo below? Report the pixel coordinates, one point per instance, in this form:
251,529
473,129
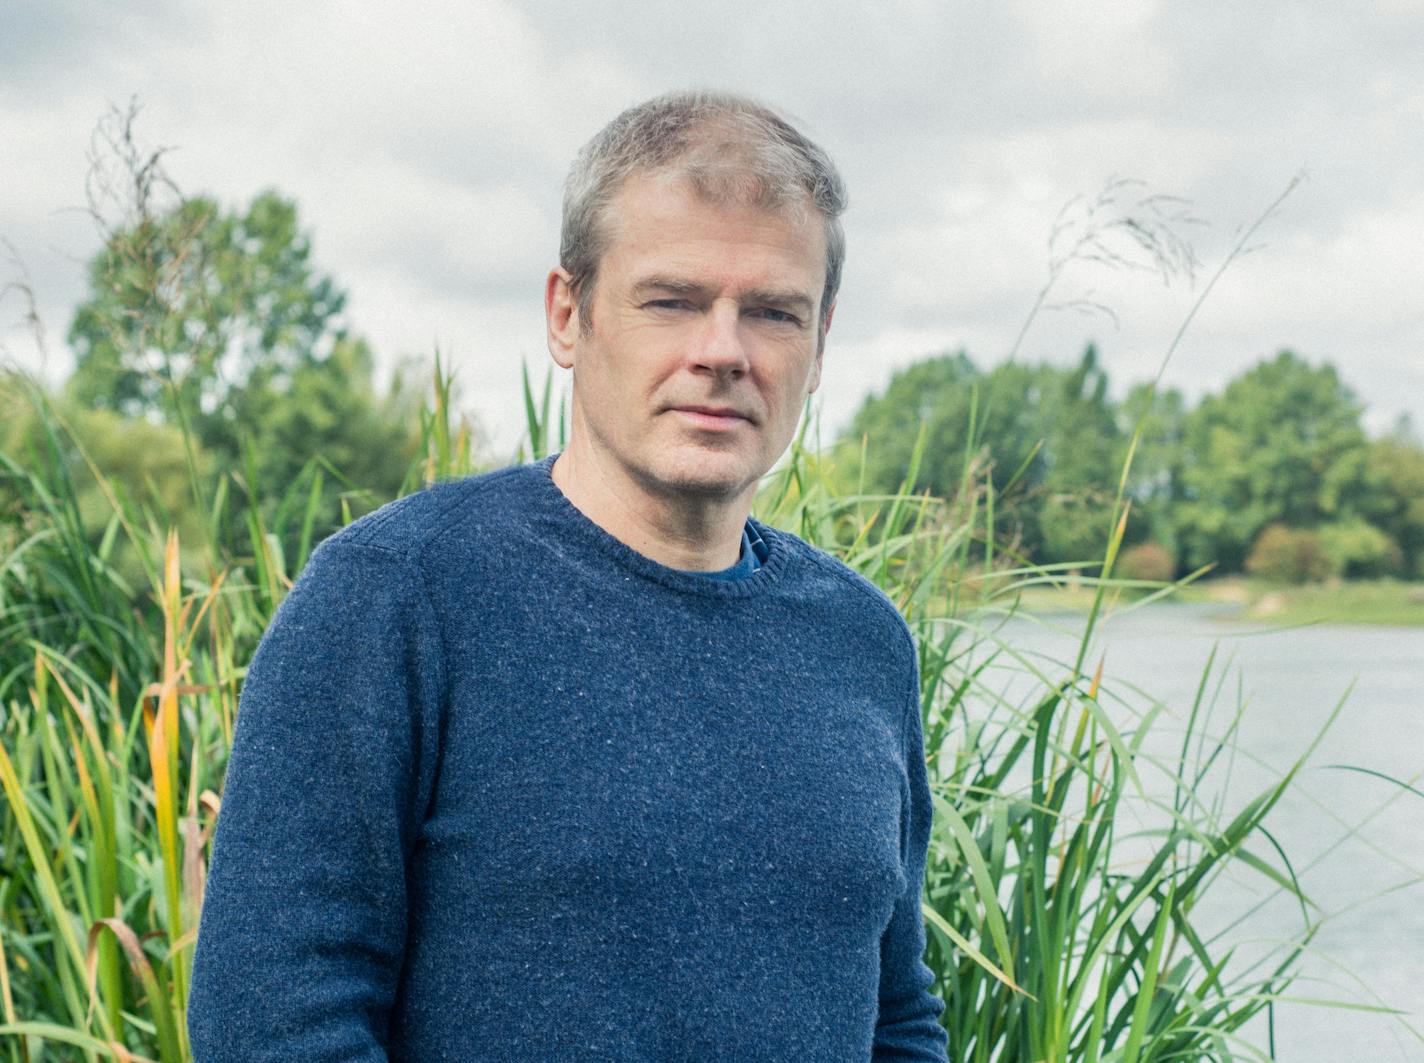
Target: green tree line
1273,475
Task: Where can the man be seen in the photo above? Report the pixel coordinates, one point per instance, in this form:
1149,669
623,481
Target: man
576,760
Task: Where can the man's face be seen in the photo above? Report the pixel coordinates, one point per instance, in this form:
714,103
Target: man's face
704,339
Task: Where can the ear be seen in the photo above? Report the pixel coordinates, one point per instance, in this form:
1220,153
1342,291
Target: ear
821,351
561,316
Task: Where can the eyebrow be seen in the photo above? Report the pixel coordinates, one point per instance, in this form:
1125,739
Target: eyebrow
780,299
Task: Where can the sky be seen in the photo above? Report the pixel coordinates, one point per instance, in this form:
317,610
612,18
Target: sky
426,152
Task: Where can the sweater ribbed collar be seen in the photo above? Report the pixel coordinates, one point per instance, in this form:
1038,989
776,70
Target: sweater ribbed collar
568,516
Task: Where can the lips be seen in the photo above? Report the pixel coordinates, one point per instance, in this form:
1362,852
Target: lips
712,417
714,411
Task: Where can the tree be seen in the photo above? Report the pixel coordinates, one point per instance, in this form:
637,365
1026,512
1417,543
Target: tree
1281,444
1359,550
947,398
329,408
1393,499
218,323
187,305
1082,458
1048,435
935,393
1155,479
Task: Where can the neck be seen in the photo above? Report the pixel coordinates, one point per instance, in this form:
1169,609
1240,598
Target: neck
697,534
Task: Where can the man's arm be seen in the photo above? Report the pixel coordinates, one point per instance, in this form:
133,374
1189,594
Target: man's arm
908,1024
303,923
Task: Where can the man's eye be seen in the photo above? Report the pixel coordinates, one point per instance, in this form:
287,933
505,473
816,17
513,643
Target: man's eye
668,304
781,317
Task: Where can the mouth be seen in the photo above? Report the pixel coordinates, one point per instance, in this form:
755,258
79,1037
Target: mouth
713,416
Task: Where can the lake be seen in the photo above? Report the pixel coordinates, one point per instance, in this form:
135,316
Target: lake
1355,841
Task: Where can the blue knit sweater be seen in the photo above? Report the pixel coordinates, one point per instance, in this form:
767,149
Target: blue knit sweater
503,788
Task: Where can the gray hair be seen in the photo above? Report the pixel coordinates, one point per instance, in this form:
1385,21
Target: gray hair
732,148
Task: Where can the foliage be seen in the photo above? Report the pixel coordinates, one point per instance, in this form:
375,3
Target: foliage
1051,432
1155,484
1281,444
1149,561
934,396
140,461
1288,555
217,322
188,303
1358,550
1392,496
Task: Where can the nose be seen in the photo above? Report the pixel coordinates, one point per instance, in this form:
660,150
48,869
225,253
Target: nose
720,347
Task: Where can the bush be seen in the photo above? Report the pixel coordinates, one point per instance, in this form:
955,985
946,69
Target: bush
1288,555
144,463
1358,550
1149,561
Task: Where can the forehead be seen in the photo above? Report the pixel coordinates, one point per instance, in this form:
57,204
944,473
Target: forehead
660,215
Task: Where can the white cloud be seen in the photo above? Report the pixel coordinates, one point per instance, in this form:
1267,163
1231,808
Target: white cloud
1101,48
426,150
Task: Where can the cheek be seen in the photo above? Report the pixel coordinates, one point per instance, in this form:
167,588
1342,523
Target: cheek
791,389
619,389
787,407
640,360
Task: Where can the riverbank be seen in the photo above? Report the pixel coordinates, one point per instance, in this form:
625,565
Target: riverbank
1389,602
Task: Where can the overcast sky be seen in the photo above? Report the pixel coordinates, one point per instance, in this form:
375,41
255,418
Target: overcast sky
426,148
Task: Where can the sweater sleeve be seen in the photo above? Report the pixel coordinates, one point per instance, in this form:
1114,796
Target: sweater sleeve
303,923
907,1027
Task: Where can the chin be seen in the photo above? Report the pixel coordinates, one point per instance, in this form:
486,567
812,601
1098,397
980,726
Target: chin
707,475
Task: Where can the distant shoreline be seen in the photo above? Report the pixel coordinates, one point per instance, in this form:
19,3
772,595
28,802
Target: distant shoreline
1352,602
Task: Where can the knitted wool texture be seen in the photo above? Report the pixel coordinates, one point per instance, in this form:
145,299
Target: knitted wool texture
503,788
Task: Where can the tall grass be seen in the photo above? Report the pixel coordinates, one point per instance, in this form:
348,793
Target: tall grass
116,720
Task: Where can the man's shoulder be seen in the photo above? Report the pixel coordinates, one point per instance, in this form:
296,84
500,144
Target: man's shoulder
414,524
833,578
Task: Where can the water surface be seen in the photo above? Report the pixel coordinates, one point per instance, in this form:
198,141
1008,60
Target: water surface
1356,841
